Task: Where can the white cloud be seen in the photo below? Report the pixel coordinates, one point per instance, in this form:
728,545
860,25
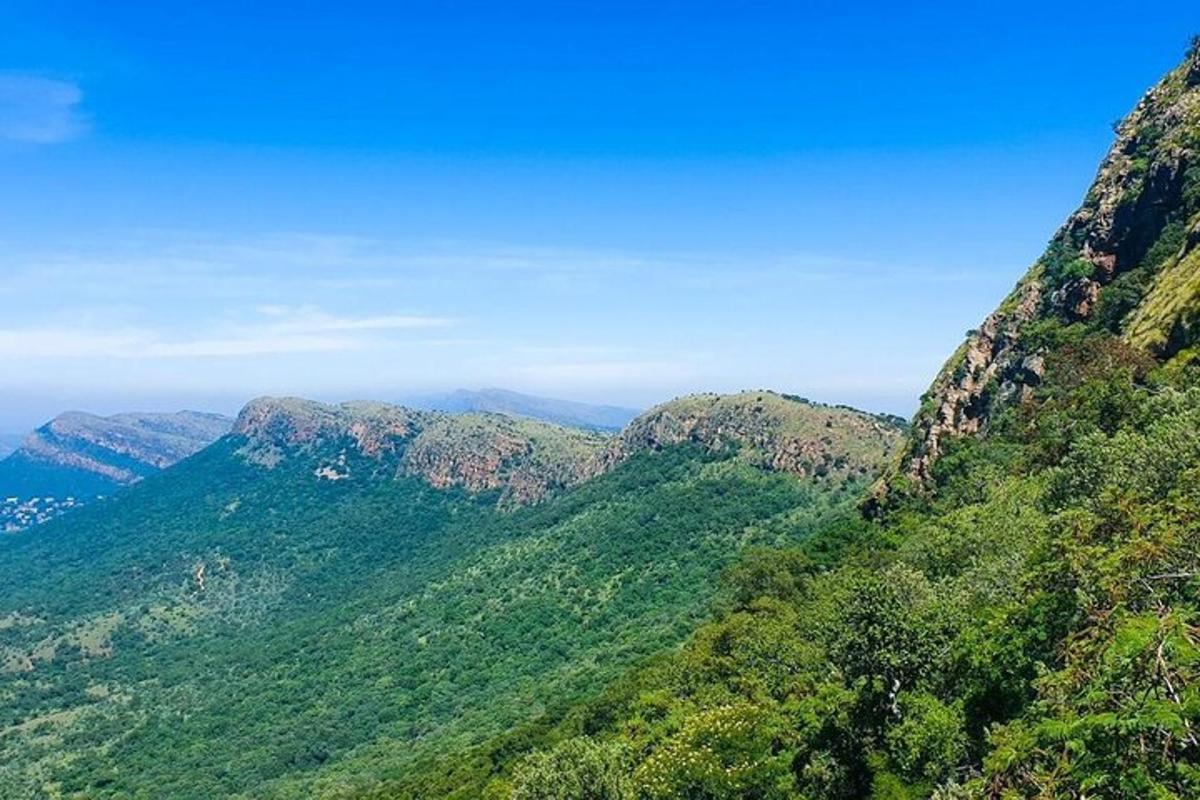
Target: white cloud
303,330
39,110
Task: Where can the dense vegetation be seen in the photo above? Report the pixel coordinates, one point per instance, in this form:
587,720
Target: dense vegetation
222,628
1030,632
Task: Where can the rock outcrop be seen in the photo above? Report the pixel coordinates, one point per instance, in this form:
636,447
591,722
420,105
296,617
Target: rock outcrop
1125,262
523,460
275,426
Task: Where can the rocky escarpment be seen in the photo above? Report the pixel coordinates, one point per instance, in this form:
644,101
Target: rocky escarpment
1125,263
480,452
118,449
523,460
770,430
274,427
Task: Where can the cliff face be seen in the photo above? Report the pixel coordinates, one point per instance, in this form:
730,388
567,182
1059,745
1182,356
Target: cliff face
522,459
1126,262
275,427
525,460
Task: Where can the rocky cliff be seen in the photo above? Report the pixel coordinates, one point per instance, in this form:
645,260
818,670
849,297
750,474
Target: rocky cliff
1125,263
525,460
521,459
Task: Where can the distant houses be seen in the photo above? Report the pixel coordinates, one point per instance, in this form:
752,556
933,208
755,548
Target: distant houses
17,513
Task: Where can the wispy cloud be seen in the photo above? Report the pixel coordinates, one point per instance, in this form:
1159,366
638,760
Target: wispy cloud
157,309
279,330
39,110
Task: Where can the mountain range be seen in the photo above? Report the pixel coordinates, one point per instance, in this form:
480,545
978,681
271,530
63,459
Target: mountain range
734,596
77,456
356,566
547,409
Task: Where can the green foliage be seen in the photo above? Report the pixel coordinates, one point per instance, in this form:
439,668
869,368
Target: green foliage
577,769
722,753
1063,263
1126,292
1048,333
763,573
929,741
222,628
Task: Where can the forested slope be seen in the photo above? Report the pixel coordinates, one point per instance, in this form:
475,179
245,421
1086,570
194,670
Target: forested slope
333,593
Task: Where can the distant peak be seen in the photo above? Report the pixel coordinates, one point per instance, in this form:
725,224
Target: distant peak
515,404
85,454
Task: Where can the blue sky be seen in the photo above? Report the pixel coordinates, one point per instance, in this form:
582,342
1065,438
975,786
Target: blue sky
616,202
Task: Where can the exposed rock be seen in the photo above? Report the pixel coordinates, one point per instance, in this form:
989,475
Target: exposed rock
956,404
1076,299
273,426
521,459
1141,186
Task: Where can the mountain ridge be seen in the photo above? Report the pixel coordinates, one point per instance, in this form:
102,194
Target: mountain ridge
608,418
528,459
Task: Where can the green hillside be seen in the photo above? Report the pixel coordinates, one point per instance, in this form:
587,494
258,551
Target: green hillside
335,593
